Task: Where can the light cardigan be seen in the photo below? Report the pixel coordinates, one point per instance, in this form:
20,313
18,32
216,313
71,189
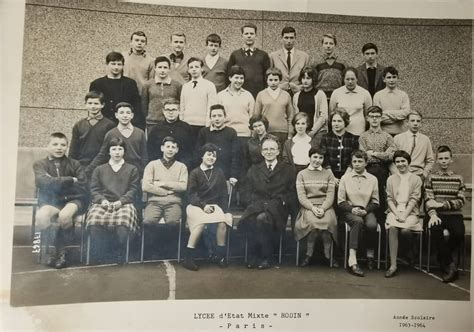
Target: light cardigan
414,183
321,115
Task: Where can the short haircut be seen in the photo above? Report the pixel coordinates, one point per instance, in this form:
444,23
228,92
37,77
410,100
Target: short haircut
123,104
271,138
444,148
95,95
236,70
359,154
178,34
342,113
208,147
217,107
370,46
316,149
298,116
352,69
288,30
273,71
414,113
390,69
169,139
117,141
170,101
162,59
308,70
329,35
401,154
139,33
248,25
374,109
58,134
214,38
195,59
258,118
114,56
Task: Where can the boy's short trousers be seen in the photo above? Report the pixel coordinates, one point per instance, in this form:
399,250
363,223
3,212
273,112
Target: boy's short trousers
154,211
52,211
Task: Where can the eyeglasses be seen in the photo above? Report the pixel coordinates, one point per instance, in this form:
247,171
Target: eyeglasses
374,116
269,149
171,109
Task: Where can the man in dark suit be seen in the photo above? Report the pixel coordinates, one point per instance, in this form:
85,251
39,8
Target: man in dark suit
290,61
370,72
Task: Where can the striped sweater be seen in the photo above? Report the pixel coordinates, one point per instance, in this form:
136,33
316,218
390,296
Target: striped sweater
445,187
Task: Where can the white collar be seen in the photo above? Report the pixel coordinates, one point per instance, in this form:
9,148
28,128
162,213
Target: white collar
204,168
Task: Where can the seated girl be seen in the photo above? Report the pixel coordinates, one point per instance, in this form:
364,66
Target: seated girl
403,196
207,193
114,187
315,189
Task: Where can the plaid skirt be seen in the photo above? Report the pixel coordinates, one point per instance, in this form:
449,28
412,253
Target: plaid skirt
125,216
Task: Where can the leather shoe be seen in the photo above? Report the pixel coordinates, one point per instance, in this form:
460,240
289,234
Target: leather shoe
355,270
306,261
264,265
222,262
452,275
51,261
61,261
190,265
370,263
390,273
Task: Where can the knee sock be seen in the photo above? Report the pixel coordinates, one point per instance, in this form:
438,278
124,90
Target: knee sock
352,257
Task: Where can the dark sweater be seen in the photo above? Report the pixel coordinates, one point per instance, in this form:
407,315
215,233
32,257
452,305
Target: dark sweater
113,186
228,155
254,67
87,140
202,192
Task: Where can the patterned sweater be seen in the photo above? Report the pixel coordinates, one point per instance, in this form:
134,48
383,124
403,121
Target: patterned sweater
445,187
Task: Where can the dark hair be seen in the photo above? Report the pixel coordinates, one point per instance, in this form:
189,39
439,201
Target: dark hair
374,109
217,107
273,71
95,95
258,118
162,59
194,59
58,134
117,141
271,138
369,46
214,38
390,69
123,104
401,154
169,139
236,70
352,69
359,154
288,30
444,148
316,149
208,147
329,35
114,56
170,101
298,116
412,112
342,113
308,70
178,34
248,25
138,33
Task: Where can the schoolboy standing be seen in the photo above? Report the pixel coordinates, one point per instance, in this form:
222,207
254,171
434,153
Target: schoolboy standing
138,64
117,88
444,199
179,62
62,193
370,72
358,198
394,103
417,145
290,61
197,96
254,61
88,134
215,65
157,90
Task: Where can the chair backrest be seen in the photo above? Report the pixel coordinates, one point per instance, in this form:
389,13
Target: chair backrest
25,177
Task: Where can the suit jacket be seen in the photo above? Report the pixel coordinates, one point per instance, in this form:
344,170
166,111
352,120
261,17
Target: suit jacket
299,60
363,79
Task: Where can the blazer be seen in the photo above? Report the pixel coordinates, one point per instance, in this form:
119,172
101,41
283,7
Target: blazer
299,60
363,79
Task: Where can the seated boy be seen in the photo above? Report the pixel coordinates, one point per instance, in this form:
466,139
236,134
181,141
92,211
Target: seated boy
165,181
444,199
358,198
88,134
62,193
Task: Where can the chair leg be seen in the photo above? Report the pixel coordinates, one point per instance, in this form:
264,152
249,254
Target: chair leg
386,248
127,252
279,252
142,249
331,249
421,250
179,239
33,222
246,249
81,250
297,251
428,258
379,230
345,245
88,248
229,229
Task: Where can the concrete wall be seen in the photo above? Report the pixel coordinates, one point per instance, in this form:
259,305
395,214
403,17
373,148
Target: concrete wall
65,44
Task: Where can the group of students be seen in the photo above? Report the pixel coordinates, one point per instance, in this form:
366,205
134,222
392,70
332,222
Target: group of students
317,143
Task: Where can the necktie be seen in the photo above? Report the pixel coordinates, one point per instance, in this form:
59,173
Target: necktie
195,83
270,168
413,145
288,60
248,52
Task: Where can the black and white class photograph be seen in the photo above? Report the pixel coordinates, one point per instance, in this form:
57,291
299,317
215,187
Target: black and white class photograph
191,157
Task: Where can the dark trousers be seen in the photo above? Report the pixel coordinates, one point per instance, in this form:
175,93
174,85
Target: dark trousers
359,226
455,226
260,239
380,171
